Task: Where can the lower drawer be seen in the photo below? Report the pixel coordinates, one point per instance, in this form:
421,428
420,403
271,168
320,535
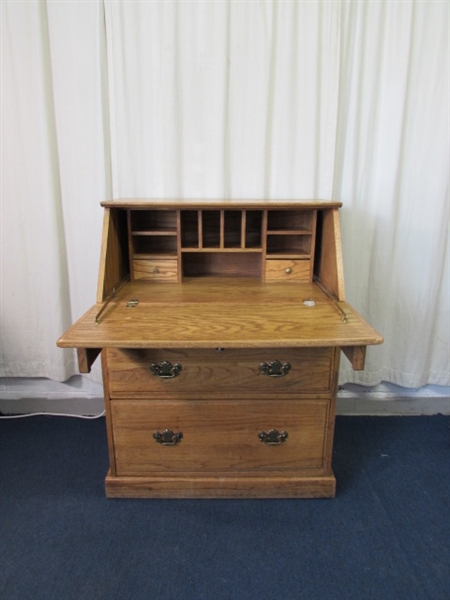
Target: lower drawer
220,435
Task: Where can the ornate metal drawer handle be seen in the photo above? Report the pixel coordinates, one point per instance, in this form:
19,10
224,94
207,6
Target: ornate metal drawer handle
168,437
273,437
166,370
275,368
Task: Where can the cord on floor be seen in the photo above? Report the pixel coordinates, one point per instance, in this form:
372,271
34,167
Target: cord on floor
48,414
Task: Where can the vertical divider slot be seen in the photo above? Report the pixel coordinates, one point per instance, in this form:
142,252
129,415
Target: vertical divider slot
200,229
179,259
130,245
243,228
222,230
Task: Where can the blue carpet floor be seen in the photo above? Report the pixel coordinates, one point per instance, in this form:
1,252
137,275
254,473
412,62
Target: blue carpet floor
385,536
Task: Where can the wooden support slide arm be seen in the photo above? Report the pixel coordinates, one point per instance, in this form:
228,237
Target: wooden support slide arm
86,358
356,355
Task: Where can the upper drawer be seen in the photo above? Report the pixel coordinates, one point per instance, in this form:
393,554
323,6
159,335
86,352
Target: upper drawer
198,370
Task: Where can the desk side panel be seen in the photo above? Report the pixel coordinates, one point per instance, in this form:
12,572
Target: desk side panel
328,266
114,261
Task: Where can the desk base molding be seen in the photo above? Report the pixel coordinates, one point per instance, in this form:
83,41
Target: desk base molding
323,486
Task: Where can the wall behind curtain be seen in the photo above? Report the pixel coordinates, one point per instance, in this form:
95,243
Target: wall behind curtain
227,99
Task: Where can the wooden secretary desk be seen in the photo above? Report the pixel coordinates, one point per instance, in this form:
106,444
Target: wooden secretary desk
220,325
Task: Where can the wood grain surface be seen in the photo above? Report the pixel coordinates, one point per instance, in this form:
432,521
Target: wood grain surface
214,204
216,312
218,435
219,370
221,485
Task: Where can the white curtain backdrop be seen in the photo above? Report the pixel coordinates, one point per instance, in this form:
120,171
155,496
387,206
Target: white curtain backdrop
343,100
391,173
55,170
223,99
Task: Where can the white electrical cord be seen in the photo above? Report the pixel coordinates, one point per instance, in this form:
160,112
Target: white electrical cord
47,414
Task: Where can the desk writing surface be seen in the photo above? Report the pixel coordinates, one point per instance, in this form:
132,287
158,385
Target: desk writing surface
220,312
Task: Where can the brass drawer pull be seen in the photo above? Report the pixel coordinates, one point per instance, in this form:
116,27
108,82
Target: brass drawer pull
168,437
166,370
275,368
273,437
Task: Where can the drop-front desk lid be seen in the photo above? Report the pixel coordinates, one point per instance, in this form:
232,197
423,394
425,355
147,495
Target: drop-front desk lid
220,312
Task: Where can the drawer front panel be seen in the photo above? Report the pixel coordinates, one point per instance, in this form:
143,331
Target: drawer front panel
155,270
285,270
212,371
219,435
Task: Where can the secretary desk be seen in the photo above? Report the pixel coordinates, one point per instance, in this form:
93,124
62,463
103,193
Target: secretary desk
220,326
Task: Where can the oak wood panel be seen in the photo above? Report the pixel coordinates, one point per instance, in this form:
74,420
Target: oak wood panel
329,262
214,204
213,312
313,244
213,370
221,485
218,435
108,417
219,371
114,264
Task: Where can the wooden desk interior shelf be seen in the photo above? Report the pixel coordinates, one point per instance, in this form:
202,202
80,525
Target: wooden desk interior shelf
220,325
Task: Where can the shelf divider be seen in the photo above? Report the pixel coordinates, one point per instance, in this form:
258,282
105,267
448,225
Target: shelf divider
243,227
200,229
222,230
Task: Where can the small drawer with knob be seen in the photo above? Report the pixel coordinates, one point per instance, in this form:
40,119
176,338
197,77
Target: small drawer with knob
285,270
217,435
224,370
155,270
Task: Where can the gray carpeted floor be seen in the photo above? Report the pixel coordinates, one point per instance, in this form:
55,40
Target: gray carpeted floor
385,536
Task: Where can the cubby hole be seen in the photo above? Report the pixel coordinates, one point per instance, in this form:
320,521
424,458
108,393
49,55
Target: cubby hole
222,264
289,220
253,229
211,228
154,245
232,228
189,229
289,245
153,221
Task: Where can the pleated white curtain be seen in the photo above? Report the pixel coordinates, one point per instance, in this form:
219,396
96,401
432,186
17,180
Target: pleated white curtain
343,100
391,173
223,99
55,169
